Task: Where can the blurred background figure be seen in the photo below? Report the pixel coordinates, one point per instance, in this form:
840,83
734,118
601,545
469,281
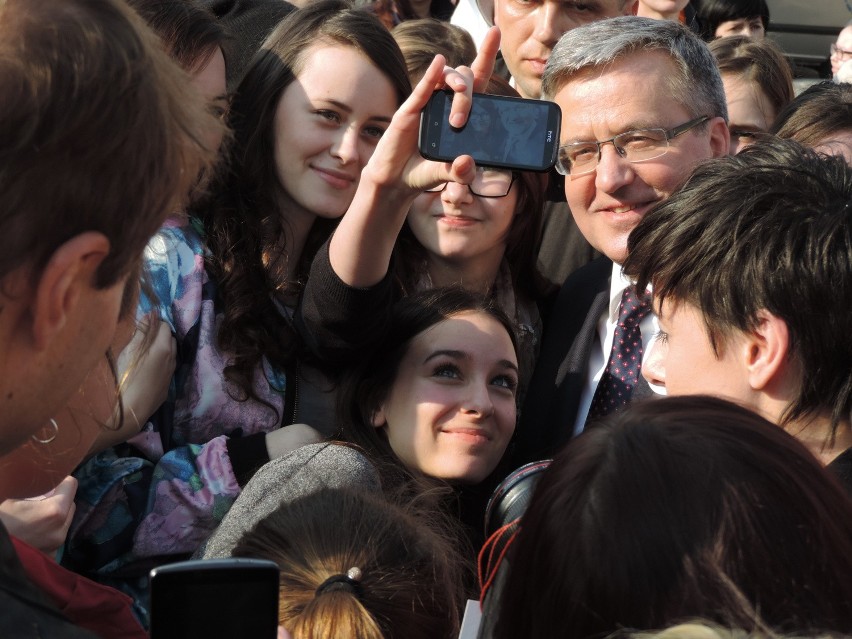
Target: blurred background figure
820,117
720,18
841,50
758,84
422,39
677,10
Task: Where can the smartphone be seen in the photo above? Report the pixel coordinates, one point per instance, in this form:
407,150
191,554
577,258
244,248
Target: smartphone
502,132
213,598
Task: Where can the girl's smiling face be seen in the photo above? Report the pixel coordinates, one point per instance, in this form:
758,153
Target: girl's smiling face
450,412
327,124
459,227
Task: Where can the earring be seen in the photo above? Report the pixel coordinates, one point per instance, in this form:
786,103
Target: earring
49,439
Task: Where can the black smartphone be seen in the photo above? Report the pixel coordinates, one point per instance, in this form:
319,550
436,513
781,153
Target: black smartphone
502,132
213,598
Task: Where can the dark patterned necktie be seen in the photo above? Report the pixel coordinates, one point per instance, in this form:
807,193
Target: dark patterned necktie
625,359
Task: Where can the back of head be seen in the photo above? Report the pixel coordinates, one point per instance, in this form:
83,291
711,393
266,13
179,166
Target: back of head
769,229
407,582
190,33
681,508
711,13
817,115
249,23
758,61
100,131
422,39
695,82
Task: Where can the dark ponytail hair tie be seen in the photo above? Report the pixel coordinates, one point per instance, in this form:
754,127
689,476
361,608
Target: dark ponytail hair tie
351,581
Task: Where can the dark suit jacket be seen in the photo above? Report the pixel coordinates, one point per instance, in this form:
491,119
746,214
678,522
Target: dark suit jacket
551,404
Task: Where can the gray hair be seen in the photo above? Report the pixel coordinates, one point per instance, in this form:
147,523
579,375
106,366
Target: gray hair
696,85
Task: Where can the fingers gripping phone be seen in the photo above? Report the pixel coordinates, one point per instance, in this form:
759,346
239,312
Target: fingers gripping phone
215,598
501,131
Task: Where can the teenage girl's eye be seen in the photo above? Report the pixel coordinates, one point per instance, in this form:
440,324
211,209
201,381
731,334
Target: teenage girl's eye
505,381
662,337
448,371
330,116
374,132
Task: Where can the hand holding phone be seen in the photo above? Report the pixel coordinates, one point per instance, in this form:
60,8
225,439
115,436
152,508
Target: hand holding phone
503,132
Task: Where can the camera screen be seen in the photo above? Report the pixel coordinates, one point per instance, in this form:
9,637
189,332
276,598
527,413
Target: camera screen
505,131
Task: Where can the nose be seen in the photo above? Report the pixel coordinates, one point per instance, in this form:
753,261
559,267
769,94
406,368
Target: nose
613,171
456,194
478,400
345,145
546,23
653,366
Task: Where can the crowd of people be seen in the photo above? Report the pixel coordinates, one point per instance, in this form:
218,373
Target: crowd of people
242,316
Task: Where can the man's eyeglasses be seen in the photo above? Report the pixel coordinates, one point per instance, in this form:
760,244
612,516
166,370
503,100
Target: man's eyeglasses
487,183
835,50
640,145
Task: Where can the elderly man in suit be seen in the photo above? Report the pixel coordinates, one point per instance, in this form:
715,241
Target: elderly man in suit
642,103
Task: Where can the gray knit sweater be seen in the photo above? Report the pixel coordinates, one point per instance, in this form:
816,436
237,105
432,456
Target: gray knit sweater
305,470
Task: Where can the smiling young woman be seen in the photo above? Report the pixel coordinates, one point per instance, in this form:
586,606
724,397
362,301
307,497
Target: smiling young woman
306,118
432,406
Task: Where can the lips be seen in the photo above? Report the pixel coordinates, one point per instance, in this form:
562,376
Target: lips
334,178
537,64
469,434
637,208
457,221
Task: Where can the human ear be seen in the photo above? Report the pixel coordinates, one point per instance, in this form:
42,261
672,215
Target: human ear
720,137
71,267
766,349
629,7
378,418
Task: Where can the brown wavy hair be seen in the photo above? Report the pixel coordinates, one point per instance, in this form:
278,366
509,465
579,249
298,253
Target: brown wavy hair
244,223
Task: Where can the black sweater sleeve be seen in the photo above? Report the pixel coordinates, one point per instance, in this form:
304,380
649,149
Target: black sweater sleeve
338,321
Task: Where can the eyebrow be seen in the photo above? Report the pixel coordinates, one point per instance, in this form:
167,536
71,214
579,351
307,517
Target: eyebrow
634,126
505,363
348,109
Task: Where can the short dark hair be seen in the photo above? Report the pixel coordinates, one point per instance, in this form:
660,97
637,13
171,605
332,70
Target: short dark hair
679,508
816,114
411,573
711,13
767,229
190,32
367,386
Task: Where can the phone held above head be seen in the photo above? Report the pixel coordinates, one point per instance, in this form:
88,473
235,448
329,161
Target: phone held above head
501,132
